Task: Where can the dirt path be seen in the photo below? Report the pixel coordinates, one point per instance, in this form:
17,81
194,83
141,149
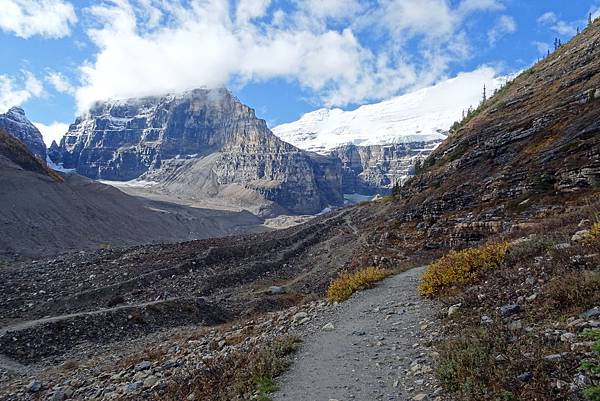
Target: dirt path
376,351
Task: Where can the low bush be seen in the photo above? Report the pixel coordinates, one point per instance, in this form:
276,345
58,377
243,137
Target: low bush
237,375
592,367
347,284
466,364
595,230
529,248
576,290
461,267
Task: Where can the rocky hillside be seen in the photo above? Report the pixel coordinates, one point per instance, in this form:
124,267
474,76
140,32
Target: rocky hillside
524,153
16,123
199,144
45,213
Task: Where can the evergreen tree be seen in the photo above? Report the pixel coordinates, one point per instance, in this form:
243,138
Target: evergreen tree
556,44
484,95
418,166
396,189
590,19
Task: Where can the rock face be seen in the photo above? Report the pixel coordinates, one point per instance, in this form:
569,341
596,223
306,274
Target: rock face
197,144
374,169
16,123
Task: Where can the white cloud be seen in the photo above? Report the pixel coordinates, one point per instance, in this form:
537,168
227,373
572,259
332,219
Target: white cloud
47,18
52,132
60,82
210,43
505,25
541,47
16,91
251,9
468,6
552,21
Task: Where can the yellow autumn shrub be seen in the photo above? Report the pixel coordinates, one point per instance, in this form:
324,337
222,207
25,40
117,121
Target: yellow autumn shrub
461,267
346,284
595,230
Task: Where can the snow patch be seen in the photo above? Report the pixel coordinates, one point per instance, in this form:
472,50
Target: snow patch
421,116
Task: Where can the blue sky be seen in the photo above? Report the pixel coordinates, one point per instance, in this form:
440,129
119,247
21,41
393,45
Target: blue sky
281,57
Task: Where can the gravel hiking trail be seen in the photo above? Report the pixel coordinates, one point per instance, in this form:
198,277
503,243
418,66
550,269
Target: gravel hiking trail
377,349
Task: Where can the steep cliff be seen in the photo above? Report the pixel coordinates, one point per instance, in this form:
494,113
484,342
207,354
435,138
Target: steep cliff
374,169
197,140
16,123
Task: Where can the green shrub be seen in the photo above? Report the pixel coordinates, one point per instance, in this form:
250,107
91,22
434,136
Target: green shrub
237,375
529,248
466,363
592,367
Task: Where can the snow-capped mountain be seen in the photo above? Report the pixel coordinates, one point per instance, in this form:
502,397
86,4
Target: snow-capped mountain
421,116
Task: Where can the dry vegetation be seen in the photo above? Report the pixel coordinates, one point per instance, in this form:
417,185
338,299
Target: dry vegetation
521,356
236,376
458,268
346,284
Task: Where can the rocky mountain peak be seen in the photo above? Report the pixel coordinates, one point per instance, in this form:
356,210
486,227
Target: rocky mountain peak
16,123
176,140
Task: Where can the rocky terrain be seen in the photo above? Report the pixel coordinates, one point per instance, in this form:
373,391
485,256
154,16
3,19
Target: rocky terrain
16,123
131,295
45,212
202,144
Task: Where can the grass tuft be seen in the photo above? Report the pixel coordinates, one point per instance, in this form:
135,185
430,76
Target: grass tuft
347,284
595,230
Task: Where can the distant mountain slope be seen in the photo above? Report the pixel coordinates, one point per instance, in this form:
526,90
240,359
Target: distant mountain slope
43,213
379,144
421,116
14,153
16,123
207,133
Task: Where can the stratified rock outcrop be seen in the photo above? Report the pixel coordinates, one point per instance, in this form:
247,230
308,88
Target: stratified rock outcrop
197,144
374,169
16,123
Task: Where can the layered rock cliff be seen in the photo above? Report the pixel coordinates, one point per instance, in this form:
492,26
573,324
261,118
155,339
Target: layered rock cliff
16,124
376,169
202,143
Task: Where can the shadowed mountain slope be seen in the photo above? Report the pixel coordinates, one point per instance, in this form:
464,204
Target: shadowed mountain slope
46,213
